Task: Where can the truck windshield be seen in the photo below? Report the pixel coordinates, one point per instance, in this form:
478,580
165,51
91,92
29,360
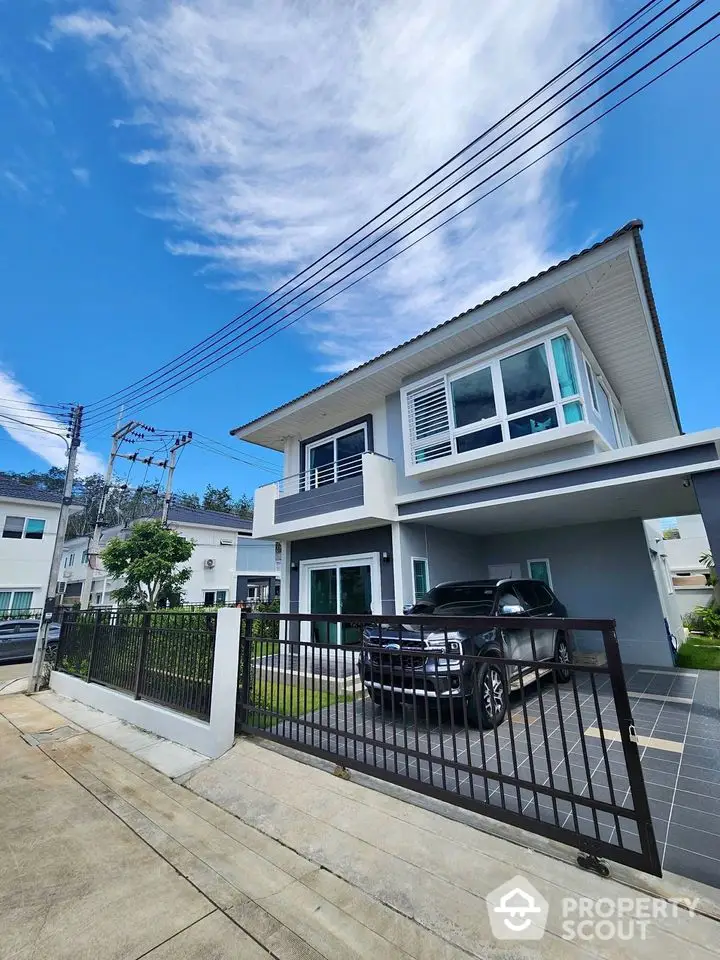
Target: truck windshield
457,595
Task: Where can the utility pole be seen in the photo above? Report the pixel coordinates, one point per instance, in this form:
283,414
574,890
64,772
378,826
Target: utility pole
42,634
94,545
181,442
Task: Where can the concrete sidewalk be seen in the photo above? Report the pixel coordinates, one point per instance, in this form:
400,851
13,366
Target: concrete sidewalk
308,866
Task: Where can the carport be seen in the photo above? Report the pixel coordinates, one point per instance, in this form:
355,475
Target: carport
582,523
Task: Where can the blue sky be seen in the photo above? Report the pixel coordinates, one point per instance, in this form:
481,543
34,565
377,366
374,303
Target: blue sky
159,175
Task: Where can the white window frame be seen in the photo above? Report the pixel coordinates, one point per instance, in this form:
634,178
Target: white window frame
592,389
493,359
327,563
214,591
544,560
13,590
25,520
424,561
331,438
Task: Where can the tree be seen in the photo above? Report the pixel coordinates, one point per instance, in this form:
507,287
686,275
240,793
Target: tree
671,533
217,498
147,560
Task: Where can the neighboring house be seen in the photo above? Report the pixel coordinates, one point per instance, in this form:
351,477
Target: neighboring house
684,578
228,566
28,527
528,436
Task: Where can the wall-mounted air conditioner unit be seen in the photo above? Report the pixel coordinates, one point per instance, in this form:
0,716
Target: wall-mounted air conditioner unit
209,563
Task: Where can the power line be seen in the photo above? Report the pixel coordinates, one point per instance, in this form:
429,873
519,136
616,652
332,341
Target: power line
212,338
167,389
239,458
33,426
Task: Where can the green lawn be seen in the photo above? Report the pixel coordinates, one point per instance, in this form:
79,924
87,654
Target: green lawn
289,700
700,653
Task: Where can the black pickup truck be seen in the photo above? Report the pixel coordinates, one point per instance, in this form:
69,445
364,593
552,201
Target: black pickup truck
403,663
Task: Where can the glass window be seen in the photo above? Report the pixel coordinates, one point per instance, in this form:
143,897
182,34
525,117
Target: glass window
591,385
528,594
607,411
573,412
539,570
348,453
220,596
479,438
473,398
22,600
526,380
420,578
5,596
84,558
534,423
34,529
565,366
13,529
322,464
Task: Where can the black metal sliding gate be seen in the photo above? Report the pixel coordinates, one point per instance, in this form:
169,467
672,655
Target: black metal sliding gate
529,739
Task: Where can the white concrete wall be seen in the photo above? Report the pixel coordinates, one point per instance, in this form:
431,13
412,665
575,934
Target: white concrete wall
684,554
208,547
211,739
25,564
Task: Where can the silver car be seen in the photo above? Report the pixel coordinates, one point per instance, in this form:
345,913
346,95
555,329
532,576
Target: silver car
17,638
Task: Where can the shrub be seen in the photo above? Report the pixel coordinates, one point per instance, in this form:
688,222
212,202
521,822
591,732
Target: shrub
703,620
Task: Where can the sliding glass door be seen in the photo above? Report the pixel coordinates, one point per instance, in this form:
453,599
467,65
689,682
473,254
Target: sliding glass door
338,587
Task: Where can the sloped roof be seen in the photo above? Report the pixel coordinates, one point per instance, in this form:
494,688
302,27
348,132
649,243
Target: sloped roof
24,491
210,518
632,226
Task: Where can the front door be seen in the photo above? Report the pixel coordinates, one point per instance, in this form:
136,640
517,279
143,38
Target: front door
335,588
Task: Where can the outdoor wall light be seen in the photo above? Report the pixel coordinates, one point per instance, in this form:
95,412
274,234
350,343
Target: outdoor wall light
294,565
386,556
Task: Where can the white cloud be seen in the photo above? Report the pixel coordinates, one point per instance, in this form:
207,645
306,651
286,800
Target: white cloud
86,25
81,174
278,127
16,404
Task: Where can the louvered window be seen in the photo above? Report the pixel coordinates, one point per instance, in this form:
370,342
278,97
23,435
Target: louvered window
512,396
429,422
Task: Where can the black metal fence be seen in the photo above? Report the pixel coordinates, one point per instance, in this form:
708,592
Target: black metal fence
523,733
34,614
159,656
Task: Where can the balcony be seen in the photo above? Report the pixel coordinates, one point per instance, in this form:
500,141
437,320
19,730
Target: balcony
337,496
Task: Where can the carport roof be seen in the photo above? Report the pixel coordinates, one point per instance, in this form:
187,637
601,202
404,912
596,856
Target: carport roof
261,429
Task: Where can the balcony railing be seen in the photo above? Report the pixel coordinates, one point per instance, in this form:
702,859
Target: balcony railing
364,483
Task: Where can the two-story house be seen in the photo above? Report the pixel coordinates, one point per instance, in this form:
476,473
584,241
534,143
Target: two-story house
28,528
227,565
529,436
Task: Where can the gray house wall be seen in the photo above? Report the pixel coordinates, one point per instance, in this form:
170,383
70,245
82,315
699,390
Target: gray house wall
450,555
598,570
373,540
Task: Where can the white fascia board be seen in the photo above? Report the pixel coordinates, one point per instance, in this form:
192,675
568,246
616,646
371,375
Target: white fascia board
527,290
579,463
36,504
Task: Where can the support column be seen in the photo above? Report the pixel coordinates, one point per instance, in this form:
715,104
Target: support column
707,491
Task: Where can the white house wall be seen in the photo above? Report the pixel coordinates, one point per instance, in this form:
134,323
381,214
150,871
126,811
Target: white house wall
222,576
25,564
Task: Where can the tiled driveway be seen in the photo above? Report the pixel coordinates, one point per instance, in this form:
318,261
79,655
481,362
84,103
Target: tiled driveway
677,720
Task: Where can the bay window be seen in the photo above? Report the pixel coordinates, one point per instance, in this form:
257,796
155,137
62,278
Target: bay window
510,397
